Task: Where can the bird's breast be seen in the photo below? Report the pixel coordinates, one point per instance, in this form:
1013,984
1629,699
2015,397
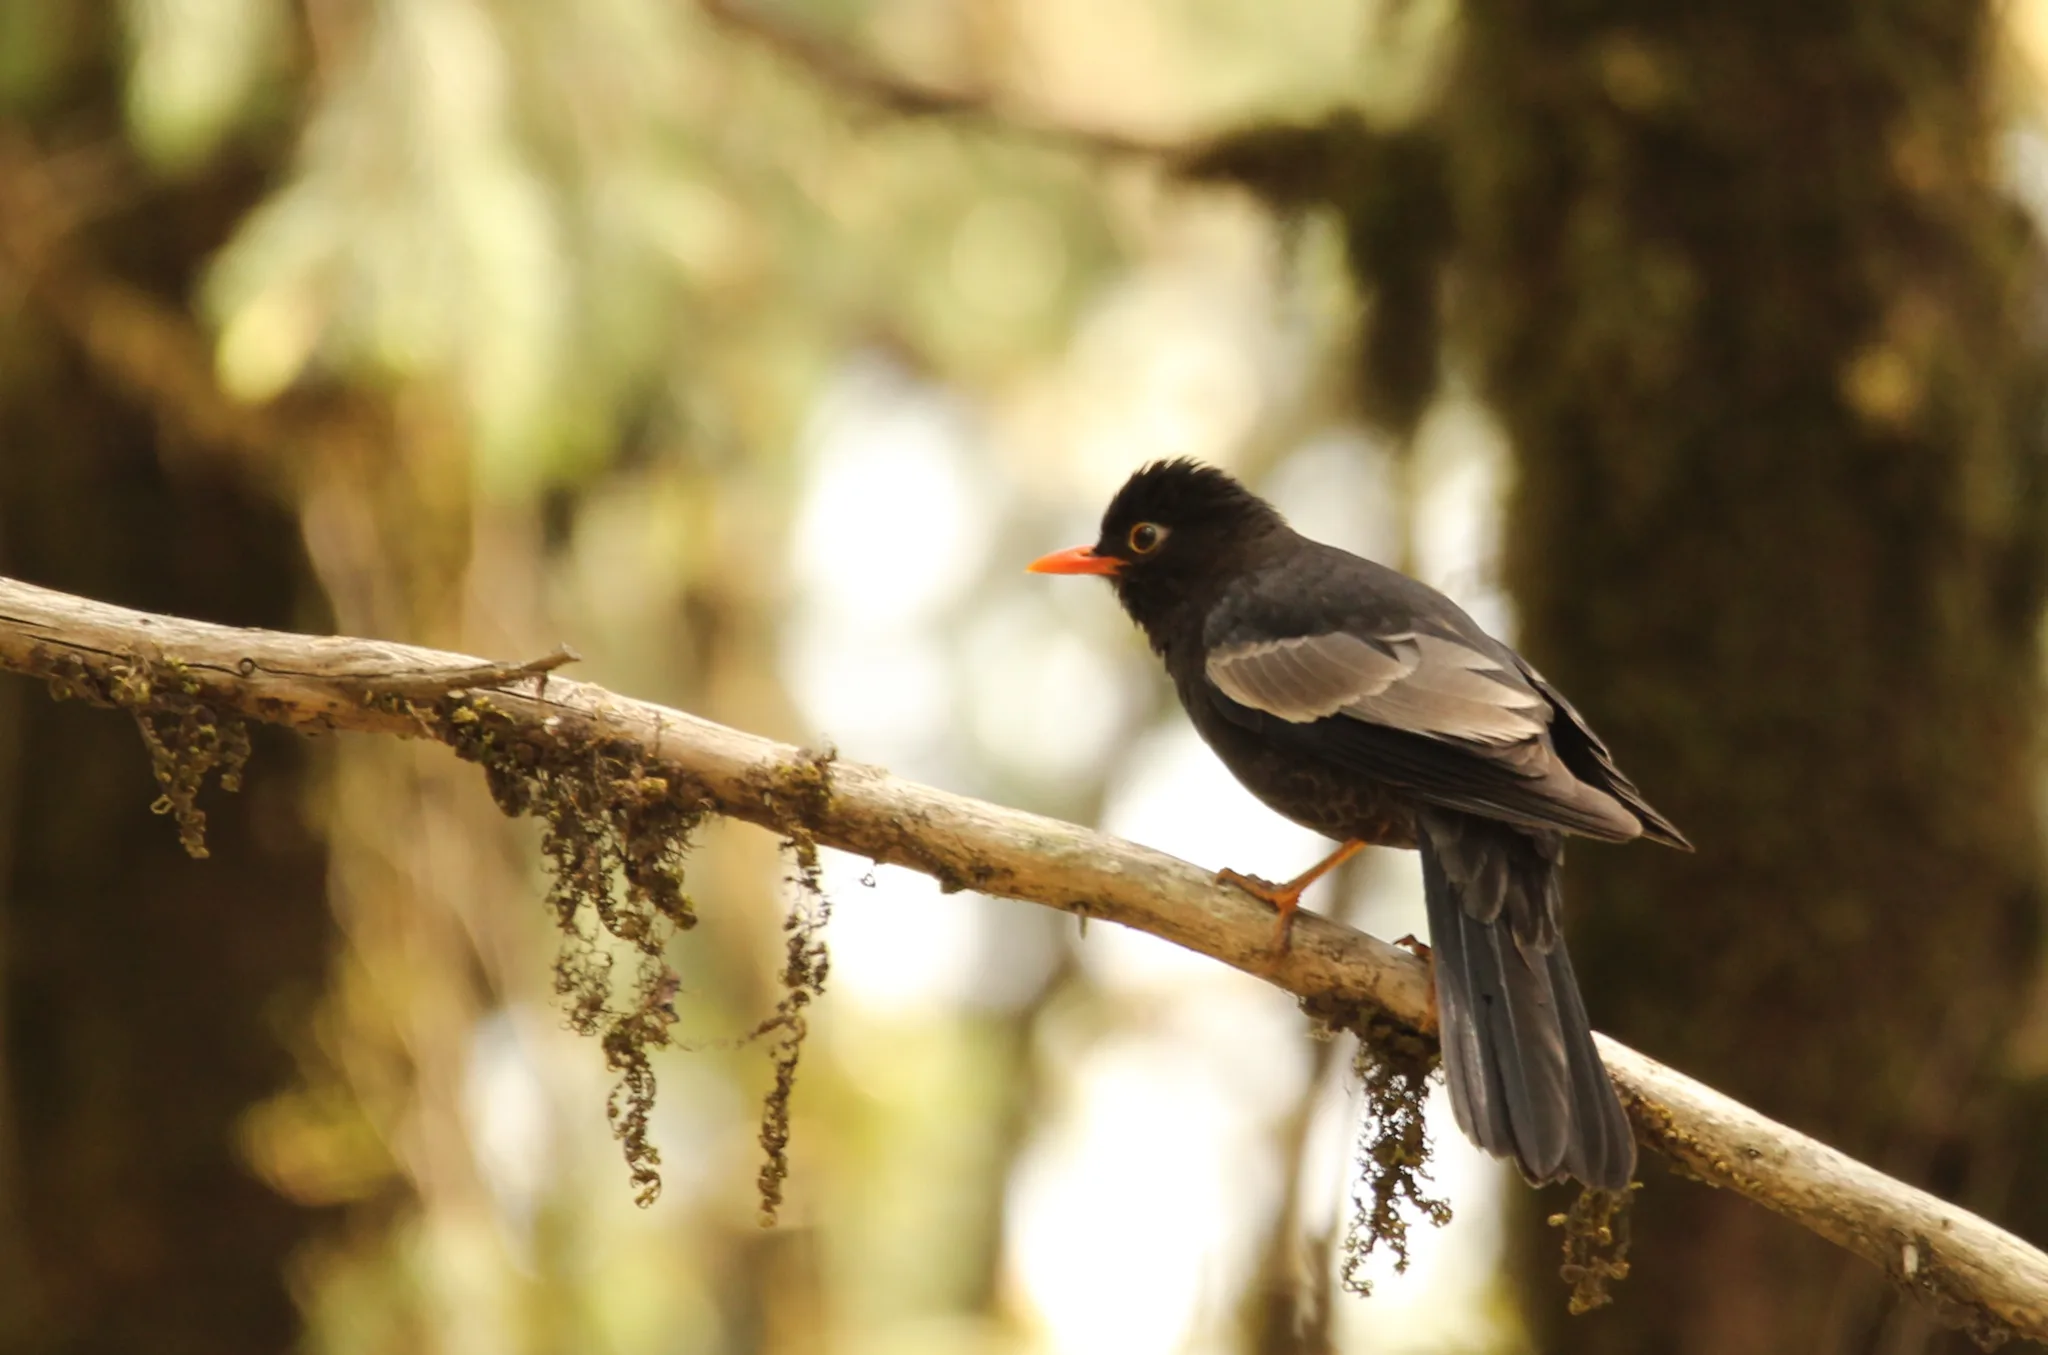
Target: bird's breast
1331,800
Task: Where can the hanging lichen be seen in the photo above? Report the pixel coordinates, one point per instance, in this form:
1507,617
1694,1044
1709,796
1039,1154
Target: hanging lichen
614,839
805,966
188,739
1595,1245
1393,1067
798,801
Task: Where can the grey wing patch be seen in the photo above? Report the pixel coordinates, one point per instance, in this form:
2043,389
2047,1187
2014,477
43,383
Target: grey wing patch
1456,692
1423,684
1309,677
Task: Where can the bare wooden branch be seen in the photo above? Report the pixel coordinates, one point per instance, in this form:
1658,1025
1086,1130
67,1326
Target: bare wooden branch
1976,1275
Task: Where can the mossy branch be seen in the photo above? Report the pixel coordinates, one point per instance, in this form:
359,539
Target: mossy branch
1975,1275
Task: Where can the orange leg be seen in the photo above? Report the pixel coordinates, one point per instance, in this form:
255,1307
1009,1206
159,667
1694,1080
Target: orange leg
1286,898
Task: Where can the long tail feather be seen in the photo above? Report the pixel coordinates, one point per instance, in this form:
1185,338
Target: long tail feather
1525,1079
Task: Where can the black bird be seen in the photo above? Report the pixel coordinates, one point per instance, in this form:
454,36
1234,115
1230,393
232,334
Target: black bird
1370,708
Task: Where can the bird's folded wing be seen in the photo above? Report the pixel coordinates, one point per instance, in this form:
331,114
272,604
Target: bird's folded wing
1433,715
1586,753
1422,683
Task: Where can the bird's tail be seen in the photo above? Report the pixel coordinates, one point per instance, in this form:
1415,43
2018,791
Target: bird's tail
1525,1079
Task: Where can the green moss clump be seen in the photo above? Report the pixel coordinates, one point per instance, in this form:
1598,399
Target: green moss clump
1595,1245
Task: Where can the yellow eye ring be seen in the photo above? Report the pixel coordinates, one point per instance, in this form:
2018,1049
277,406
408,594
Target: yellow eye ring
1146,537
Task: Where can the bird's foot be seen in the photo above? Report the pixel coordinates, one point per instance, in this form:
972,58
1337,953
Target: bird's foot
1285,898
1279,895
1419,949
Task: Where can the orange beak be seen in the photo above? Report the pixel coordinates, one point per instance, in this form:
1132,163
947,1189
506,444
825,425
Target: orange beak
1077,560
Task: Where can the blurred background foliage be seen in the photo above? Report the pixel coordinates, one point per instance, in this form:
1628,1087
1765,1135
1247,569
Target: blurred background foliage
750,348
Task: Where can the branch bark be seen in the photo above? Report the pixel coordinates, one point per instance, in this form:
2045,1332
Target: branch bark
1976,1275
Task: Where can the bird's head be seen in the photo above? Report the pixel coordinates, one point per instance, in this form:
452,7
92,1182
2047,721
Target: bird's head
1172,535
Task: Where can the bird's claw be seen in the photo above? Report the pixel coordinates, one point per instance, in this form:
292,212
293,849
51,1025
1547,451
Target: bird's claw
1419,949
1256,886
1422,952
1284,898
1287,897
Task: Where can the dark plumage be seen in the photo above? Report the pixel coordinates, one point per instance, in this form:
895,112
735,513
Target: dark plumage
1369,707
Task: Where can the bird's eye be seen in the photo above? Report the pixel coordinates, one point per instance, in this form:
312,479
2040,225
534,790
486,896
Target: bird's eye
1146,536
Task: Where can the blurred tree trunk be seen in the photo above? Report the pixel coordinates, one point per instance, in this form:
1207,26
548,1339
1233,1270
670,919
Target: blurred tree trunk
144,996
1756,320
